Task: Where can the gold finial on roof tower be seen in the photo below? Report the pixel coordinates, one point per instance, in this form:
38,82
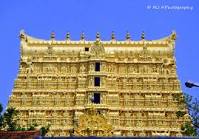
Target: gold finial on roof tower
113,35
82,37
67,36
173,35
52,35
97,36
128,37
143,35
22,34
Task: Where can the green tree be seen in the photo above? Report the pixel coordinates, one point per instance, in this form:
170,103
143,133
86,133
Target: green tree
189,129
44,130
9,119
193,109
32,127
1,116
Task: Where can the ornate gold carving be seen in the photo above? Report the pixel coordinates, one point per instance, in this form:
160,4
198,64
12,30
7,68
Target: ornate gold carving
97,49
137,84
91,123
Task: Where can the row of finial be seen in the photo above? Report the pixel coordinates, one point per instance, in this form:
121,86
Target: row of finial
82,37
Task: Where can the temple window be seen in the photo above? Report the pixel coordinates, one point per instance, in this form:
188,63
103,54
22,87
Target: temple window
97,66
86,49
97,81
96,98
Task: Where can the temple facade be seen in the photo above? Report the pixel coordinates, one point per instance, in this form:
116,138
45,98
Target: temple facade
99,88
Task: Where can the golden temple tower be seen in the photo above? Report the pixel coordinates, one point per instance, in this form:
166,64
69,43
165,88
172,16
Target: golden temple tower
99,88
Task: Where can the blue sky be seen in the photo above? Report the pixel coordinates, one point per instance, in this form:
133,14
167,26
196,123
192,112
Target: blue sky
39,17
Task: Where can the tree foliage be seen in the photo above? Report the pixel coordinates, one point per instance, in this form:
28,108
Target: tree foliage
189,129
1,117
1,108
193,108
44,130
9,119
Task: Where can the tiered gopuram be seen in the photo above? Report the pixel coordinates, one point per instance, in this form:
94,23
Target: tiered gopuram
99,88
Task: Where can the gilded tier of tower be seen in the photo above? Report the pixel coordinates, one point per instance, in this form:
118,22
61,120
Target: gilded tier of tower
99,88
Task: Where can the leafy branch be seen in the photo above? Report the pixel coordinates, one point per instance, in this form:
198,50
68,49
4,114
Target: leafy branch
189,129
8,121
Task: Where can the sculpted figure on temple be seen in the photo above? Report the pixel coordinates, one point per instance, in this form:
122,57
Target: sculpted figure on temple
103,82
109,68
68,69
91,67
122,69
73,69
65,114
29,68
21,69
144,69
82,68
24,97
173,69
131,69
63,68
91,81
161,69
52,69
154,69
136,69
36,69
113,68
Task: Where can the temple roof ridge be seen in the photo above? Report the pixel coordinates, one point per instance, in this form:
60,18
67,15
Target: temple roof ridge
30,39
172,36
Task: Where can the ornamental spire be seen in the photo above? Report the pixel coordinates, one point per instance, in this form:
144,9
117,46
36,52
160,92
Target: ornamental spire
113,35
82,37
67,36
128,37
173,35
97,36
52,35
143,35
22,34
